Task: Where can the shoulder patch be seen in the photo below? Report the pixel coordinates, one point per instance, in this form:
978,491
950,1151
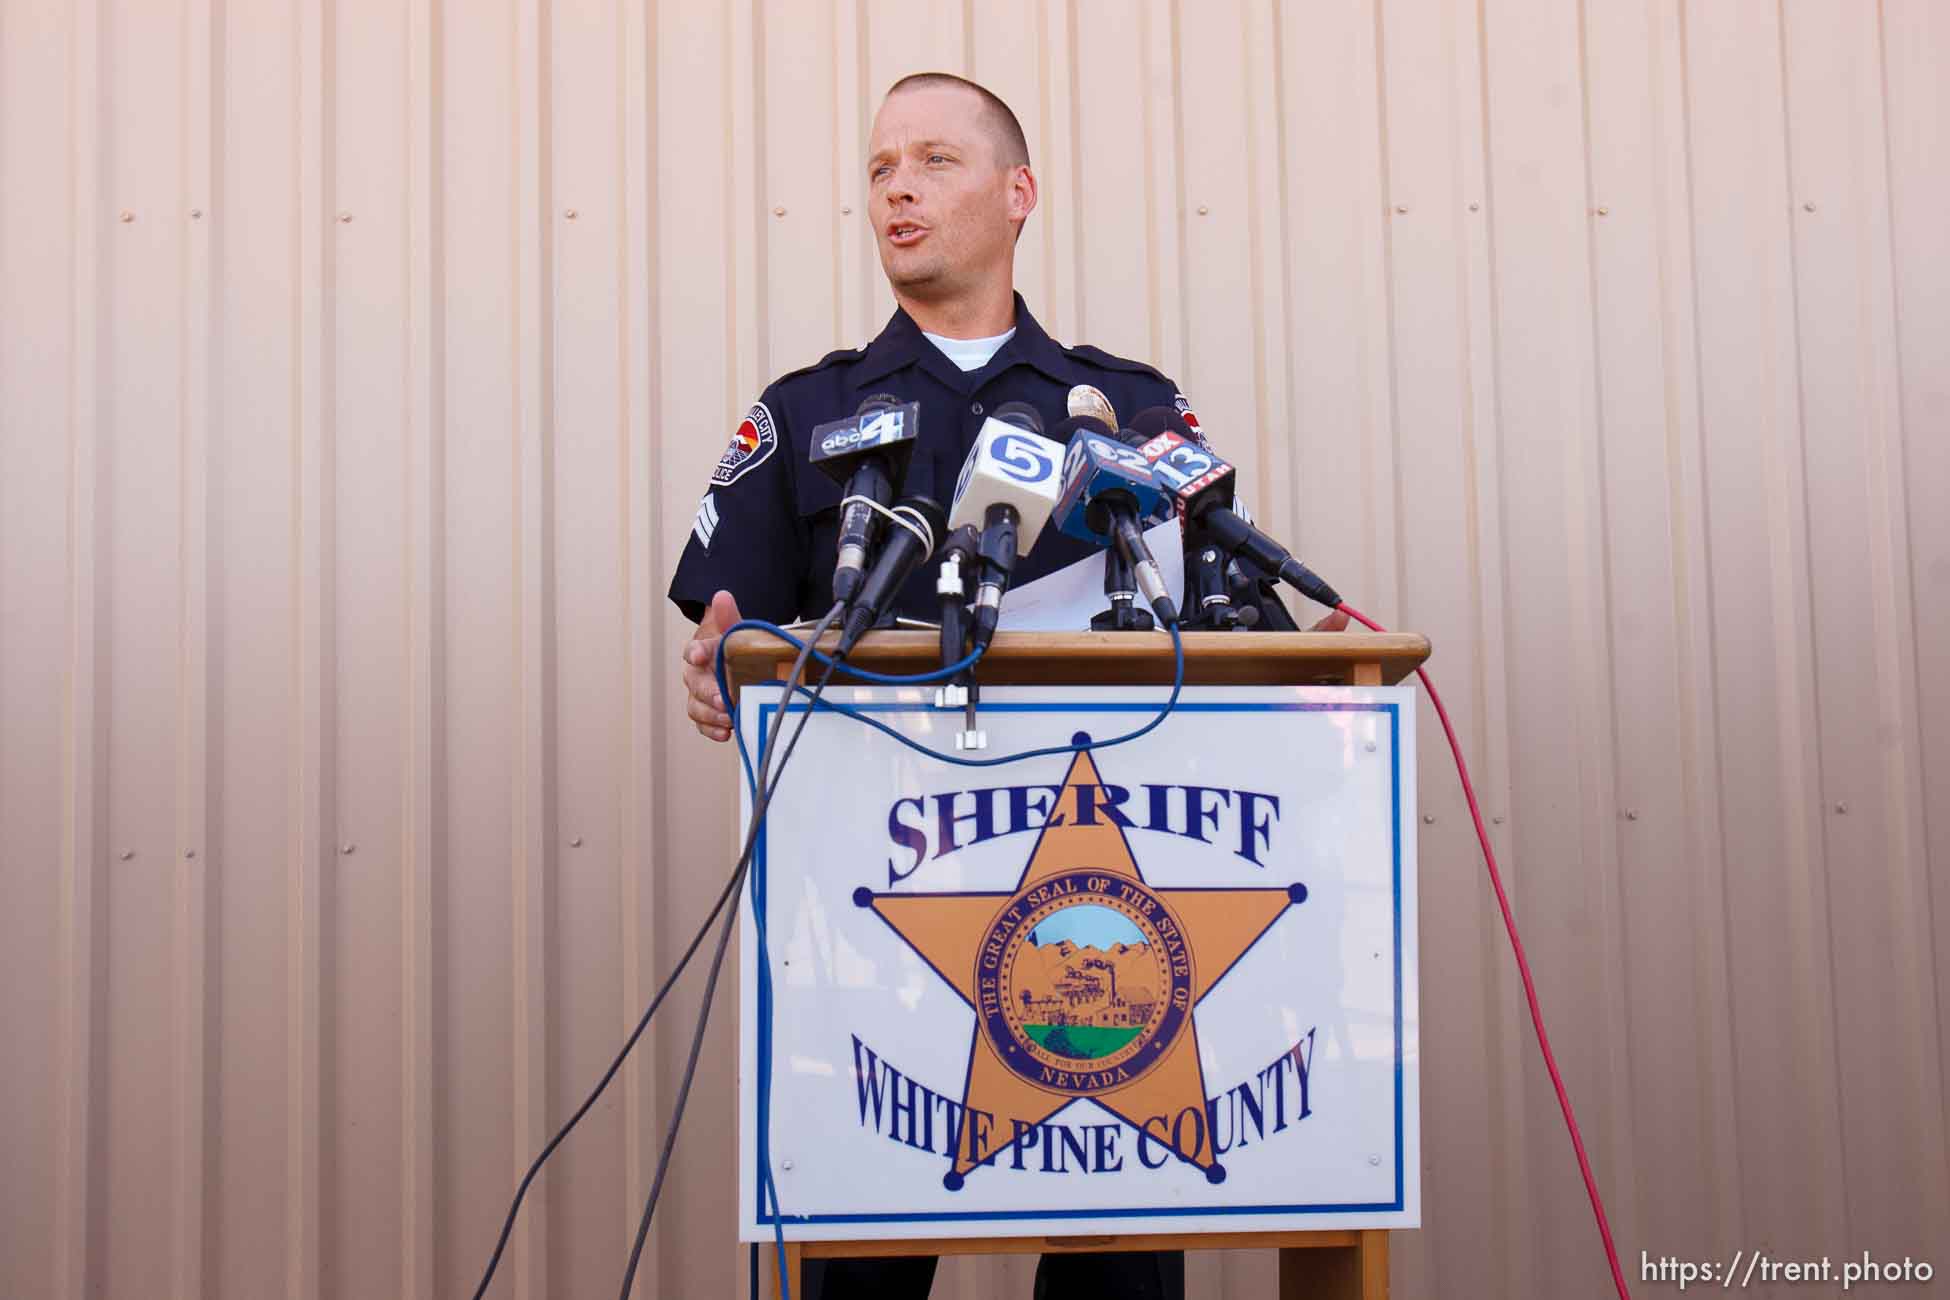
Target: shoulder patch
1098,357
1185,409
755,438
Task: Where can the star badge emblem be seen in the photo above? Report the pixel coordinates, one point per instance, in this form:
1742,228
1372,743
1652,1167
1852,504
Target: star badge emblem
1085,983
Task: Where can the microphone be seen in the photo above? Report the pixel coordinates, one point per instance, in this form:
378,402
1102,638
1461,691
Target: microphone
1201,487
1109,493
867,456
1006,490
905,549
952,587
1208,595
1091,410
1120,594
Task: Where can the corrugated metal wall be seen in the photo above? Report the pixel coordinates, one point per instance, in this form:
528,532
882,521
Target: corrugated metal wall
360,365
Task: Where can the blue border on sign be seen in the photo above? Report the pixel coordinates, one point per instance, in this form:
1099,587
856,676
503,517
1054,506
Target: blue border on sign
762,1121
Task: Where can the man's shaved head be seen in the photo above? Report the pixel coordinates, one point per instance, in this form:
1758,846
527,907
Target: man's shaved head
949,188
999,122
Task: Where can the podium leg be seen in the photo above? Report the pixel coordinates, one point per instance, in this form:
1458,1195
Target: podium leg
795,1259
1358,1272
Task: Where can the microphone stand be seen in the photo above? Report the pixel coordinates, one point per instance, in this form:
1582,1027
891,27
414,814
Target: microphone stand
1120,589
1208,596
958,576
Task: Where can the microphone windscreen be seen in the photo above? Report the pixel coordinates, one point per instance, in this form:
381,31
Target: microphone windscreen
1008,466
1154,420
931,512
1020,414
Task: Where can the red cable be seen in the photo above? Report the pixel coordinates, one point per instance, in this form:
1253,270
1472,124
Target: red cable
1523,964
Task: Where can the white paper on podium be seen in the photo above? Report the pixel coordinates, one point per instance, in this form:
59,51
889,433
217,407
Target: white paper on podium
1065,600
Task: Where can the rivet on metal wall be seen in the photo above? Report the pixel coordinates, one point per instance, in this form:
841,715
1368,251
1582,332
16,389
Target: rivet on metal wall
778,212
127,216
345,218
575,842
347,847
1603,211
1841,808
1374,1160
196,214
189,853
127,854
1808,206
1498,819
1474,206
1370,747
1203,210
786,1165
846,210
1631,814
1401,207
569,213
1428,819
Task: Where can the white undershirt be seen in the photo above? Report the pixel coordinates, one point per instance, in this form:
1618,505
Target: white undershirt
969,354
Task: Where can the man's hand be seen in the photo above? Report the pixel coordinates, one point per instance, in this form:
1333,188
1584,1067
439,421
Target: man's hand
705,706
1334,622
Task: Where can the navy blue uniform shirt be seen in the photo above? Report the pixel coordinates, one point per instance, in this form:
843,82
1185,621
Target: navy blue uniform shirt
767,529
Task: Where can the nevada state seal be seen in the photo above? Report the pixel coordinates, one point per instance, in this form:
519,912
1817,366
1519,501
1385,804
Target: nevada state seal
1084,982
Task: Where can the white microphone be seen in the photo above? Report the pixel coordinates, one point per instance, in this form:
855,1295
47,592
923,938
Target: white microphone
1006,491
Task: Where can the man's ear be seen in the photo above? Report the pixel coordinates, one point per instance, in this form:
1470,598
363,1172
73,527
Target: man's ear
1022,193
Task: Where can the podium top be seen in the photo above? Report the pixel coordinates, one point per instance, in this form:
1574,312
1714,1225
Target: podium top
1119,658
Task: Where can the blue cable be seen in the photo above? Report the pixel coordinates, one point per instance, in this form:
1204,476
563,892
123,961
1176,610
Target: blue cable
769,1187
1171,702
881,679
864,674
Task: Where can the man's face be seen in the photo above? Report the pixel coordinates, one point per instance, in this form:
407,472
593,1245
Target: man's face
944,210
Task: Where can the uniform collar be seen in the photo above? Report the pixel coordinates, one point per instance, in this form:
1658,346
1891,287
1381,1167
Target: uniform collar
902,344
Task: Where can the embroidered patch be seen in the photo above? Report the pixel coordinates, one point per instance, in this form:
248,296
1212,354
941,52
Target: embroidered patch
1191,420
706,522
752,441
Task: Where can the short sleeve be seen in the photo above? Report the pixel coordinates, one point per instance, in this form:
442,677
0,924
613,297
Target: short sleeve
745,535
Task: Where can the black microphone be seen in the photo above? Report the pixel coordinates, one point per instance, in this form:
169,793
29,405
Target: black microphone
867,455
1109,492
905,548
1201,485
952,587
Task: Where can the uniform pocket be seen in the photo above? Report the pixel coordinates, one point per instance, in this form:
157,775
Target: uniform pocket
816,494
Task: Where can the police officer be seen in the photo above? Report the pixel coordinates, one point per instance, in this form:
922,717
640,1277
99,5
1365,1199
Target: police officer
949,187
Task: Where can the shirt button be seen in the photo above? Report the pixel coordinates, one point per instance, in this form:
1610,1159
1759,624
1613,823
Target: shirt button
976,409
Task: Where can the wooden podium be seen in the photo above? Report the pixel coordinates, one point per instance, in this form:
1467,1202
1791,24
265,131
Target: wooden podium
1320,1265
1120,658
